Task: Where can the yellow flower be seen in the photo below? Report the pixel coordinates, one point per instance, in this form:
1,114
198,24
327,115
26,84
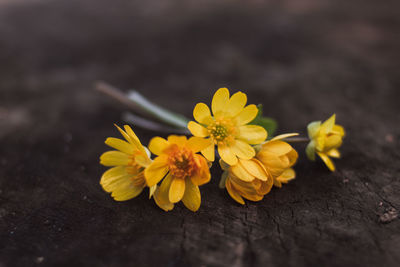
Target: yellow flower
278,157
326,138
183,169
126,179
247,179
227,127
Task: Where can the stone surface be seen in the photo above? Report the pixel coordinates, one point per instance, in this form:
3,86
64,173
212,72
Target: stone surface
303,60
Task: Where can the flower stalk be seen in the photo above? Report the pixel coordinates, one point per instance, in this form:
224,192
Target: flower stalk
297,140
140,104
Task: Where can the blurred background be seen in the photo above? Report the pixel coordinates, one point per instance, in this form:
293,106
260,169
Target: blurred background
303,60
326,55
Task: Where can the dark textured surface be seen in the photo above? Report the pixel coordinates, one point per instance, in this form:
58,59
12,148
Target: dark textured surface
302,59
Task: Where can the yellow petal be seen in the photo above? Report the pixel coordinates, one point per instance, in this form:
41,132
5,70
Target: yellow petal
332,141
242,186
283,136
219,101
266,187
176,190
328,162
227,155
131,133
277,147
115,171
240,172
120,145
197,130
255,168
138,179
233,193
209,152
124,134
152,189
252,134
247,115
327,126
277,183
334,153
292,156
142,160
180,140
113,176
243,150
131,137
202,114
129,192
313,128
114,158
236,104
156,171
287,175
310,150
253,197
191,198
157,145
120,183
203,175
273,163
320,142
337,129
161,194
197,143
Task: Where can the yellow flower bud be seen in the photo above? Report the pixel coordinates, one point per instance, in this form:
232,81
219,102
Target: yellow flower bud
278,157
247,179
325,138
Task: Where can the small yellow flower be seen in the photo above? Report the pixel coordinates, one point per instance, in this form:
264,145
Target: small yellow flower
278,157
247,179
126,179
183,169
227,127
326,138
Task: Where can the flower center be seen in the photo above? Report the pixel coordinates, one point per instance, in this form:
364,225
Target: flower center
222,131
182,163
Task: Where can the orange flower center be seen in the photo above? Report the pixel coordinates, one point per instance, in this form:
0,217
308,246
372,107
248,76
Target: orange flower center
222,131
182,163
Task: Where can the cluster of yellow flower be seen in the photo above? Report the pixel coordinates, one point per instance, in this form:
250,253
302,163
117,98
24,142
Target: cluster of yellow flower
251,163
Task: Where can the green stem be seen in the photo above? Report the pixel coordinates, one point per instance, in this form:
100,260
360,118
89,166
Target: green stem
157,112
151,125
297,140
137,102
